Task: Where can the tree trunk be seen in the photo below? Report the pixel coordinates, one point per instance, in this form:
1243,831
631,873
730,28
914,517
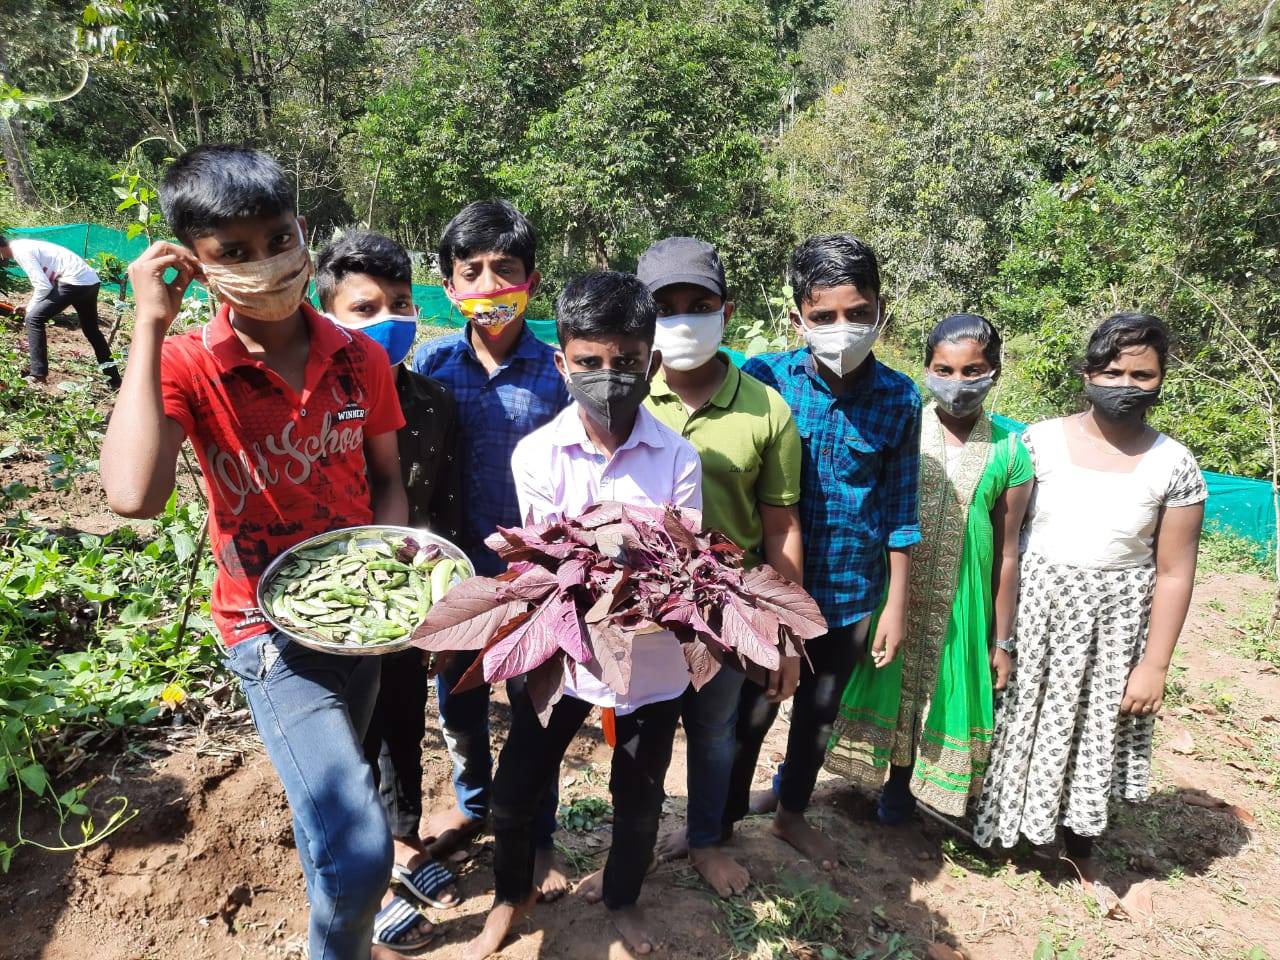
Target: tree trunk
13,144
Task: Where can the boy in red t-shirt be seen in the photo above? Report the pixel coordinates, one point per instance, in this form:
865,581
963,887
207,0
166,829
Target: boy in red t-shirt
294,420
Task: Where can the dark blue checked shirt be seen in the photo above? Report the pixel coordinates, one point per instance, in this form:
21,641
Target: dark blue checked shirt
494,413
857,480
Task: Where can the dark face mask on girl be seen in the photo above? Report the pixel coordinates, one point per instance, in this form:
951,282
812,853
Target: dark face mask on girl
610,397
1121,403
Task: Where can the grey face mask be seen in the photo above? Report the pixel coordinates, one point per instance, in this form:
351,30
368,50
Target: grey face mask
1121,403
610,397
960,398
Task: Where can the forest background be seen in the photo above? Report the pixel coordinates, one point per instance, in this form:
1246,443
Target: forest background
1044,163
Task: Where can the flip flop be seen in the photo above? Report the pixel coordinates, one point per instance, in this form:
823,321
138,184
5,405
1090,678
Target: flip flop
394,927
426,881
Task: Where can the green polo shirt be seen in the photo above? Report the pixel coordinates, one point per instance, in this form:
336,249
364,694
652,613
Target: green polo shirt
750,452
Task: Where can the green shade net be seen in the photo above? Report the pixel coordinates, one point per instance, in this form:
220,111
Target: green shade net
1237,505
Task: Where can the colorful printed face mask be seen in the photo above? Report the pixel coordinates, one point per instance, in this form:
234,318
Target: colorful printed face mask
688,340
395,333
490,311
267,290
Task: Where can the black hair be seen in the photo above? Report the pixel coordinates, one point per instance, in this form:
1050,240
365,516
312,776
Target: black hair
832,260
360,252
607,304
965,326
1119,332
488,226
214,184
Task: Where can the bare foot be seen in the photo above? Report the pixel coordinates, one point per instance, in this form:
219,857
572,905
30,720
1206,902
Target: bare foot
497,925
591,887
633,925
448,831
672,846
549,874
797,831
725,875
763,801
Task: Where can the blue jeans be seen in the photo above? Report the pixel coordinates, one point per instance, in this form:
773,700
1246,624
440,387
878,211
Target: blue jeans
710,718
464,722
311,710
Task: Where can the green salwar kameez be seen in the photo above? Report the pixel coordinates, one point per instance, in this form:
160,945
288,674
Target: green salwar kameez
932,706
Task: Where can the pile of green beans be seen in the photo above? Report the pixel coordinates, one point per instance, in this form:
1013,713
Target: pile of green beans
362,591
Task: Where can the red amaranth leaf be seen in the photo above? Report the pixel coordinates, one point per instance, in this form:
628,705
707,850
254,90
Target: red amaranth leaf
678,532
740,633
532,585
553,623
546,686
466,618
474,674
611,656
702,663
769,589
573,573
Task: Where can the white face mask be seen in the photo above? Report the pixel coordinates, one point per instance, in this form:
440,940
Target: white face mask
688,340
841,347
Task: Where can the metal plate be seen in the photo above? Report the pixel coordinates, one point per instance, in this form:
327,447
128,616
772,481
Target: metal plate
370,533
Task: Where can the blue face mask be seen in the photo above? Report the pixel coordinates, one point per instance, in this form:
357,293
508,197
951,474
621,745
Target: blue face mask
395,334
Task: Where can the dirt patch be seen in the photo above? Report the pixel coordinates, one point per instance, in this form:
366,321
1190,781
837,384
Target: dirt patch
208,868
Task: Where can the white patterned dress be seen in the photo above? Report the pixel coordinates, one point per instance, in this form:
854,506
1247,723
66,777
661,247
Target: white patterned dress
1061,747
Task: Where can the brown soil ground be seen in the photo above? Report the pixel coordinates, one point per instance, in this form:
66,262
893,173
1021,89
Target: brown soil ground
207,868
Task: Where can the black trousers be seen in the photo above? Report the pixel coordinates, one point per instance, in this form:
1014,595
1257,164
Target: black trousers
813,715
393,743
527,770
85,301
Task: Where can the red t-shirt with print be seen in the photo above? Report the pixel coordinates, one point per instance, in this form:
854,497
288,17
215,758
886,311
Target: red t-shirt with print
279,467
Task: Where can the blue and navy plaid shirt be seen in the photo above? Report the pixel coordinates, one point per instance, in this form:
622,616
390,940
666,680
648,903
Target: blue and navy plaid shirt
494,414
858,478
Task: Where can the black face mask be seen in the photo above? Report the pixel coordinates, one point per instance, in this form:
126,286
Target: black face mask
1121,403
610,397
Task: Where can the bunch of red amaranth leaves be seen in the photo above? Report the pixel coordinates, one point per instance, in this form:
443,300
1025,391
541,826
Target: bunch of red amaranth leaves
577,592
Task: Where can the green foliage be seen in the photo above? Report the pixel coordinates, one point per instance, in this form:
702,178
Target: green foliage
786,919
585,813
71,178
88,646
1224,552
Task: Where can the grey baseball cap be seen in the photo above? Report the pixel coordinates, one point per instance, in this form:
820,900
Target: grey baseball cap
682,260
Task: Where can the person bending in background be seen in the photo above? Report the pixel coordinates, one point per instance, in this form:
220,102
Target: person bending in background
506,386
294,421
927,718
859,426
1108,566
364,282
59,279
604,446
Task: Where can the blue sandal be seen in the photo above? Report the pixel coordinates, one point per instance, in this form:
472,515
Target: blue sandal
426,881
396,924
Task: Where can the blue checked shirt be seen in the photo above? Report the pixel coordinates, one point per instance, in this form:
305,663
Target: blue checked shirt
861,462
494,414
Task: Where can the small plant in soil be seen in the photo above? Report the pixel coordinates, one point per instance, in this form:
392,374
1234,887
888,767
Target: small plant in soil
585,813
791,918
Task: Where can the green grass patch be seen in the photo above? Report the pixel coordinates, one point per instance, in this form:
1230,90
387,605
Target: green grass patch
1224,552
585,813
792,917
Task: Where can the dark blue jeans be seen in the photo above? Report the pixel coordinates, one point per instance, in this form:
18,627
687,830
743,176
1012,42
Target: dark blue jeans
710,718
311,710
464,722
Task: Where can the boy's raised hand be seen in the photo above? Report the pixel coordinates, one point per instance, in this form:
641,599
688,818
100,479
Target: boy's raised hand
158,301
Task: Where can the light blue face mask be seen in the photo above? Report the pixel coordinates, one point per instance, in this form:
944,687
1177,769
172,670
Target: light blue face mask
395,334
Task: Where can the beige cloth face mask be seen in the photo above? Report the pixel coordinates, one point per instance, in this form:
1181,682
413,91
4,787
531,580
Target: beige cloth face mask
267,290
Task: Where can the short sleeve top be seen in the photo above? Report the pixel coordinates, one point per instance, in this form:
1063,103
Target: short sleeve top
1098,519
